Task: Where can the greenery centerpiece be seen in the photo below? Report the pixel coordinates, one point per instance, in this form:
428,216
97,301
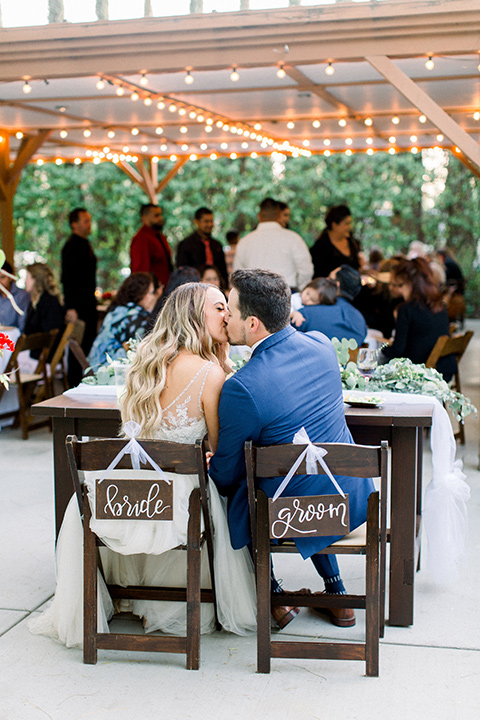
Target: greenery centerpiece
402,376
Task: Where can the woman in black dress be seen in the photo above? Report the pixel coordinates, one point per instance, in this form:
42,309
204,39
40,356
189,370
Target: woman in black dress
46,311
422,318
335,246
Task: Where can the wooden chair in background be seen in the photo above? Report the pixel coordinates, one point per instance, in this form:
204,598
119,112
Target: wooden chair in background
31,385
456,345
369,540
56,361
173,458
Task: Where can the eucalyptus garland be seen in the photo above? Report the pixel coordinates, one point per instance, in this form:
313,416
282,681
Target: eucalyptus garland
402,376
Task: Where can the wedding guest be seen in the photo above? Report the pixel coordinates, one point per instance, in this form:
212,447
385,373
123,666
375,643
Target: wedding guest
210,275
200,248
8,315
127,317
320,291
335,317
422,317
149,249
335,246
46,311
284,216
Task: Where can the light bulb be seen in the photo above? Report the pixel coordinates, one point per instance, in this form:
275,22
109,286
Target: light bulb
189,79
159,130
160,105
27,87
257,127
134,96
430,64
182,111
369,141
391,151
144,148
111,134
184,129
87,133
134,131
234,77
143,80
58,161
329,70
203,146
173,158
281,72
440,137
290,125
63,133
208,128
209,121
368,121
369,151
348,141
172,108
348,152
392,139
476,115
100,84
213,156
326,141
147,101
120,91
395,119
19,135
192,115
316,123
342,122
306,143
423,118
413,138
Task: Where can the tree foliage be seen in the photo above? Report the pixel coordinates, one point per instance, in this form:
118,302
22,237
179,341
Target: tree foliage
385,194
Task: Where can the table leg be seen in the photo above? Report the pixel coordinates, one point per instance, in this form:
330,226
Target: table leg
403,524
62,479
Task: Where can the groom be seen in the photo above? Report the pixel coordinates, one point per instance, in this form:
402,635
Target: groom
291,381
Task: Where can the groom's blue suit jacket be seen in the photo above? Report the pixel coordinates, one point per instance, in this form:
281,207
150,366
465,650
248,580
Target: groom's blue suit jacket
291,381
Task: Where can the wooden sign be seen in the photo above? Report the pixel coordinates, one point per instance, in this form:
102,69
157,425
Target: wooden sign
319,515
132,499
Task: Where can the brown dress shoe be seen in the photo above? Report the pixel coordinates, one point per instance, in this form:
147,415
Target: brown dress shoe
341,617
284,615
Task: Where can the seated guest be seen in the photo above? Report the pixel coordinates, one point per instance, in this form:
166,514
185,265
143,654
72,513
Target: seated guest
318,292
46,311
210,275
422,317
127,317
8,315
335,318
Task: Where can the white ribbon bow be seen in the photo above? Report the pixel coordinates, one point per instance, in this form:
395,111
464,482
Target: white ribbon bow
136,451
313,456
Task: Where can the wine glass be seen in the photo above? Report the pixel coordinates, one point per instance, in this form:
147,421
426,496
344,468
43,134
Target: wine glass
367,361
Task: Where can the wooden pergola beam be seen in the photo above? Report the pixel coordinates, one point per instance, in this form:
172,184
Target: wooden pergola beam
171,173
28,148
145,174
427,106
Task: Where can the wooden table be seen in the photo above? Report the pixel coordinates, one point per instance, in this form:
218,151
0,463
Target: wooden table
401,425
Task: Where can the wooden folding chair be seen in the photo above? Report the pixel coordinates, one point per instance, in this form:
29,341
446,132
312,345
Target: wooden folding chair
456,345
172,457
57,359
30,385
343,459
77,351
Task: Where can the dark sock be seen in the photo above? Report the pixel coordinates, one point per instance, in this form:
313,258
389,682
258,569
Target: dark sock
334,585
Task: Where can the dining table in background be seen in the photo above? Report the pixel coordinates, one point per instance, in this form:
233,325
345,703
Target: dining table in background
402,426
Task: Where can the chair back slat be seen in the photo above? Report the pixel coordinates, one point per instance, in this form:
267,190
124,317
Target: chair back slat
446,345
362,461
170,456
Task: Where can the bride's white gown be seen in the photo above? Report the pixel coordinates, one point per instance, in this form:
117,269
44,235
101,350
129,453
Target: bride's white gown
142,552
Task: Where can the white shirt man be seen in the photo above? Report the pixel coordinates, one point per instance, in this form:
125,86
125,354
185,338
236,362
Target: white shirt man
272,247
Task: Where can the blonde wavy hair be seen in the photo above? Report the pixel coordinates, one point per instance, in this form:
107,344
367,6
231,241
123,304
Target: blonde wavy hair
180,326
44,281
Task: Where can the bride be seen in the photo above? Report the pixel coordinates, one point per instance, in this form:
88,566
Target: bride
172,392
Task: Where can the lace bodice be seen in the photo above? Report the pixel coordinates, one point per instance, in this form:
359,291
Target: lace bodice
183,419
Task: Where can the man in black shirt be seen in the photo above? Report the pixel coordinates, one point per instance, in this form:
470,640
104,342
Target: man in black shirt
79,266
200,248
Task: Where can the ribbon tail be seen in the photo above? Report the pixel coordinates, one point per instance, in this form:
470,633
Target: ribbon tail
328,472
114,462
290,474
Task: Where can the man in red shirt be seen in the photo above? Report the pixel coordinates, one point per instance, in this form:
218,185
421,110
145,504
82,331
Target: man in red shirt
150,251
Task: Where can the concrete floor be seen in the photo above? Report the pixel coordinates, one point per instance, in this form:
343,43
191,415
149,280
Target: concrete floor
429,670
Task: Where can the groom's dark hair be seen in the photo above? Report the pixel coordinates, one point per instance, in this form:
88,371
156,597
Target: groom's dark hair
263,294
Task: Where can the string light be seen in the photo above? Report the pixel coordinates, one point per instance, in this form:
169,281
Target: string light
19,135
184,129
213,156
224,146
125,148
329,70
326,142
58,161
253,155
184,147
327,153
476,115
172,108
63,133
204,146
391,151
414,150
290,125
392,139
234,77
233,156
413,138
193,157
189,79
155,159
342,122
430,64
159,130
348,141
368,121
160,104
40,161
87,133
369,141
348,152
147,101
134,96
209,121
200,118
163,147
111,134
423,118
173,158
120,90
192,115
395,119
257,127
27,87
208,128
182,111
100,84
306,143
369,151
440,137
281,72
316,123
143,80
135,131
106,149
